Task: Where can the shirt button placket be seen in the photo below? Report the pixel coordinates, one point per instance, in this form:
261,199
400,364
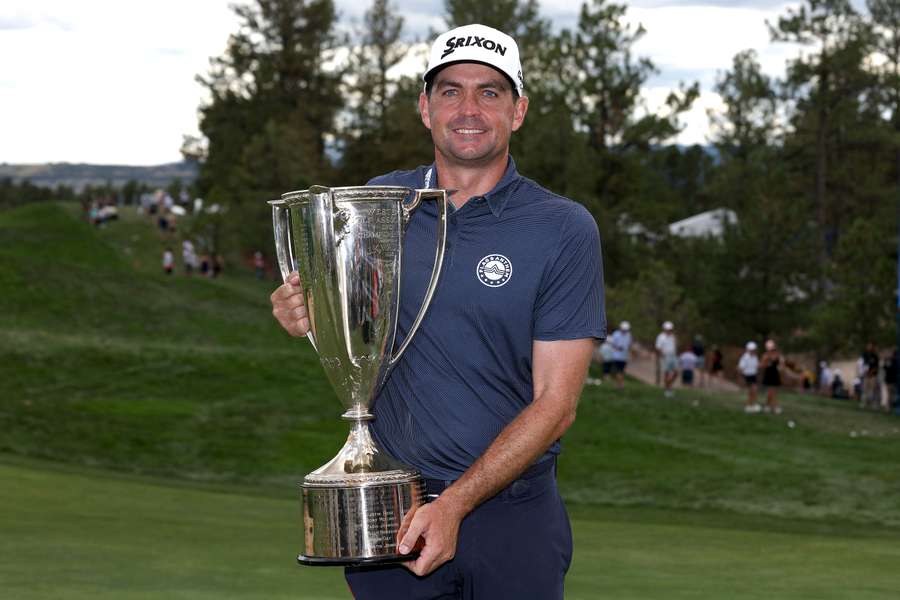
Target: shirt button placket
452,237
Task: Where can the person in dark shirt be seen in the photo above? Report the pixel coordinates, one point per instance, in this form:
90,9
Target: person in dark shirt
491,381
771,379
716,368
890,380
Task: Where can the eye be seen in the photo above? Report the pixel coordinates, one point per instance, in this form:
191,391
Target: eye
490,93
450,92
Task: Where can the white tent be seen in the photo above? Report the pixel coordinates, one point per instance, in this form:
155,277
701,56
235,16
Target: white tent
706,224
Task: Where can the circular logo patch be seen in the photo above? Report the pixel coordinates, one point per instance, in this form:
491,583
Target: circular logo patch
494,270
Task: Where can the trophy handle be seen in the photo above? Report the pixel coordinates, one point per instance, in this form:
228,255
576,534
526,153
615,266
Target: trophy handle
284,248
441,197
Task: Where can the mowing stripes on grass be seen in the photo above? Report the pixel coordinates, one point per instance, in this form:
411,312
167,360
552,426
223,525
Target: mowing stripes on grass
92,535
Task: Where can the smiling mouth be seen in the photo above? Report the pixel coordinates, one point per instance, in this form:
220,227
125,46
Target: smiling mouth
468,131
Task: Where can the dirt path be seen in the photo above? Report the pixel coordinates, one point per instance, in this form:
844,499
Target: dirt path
643,368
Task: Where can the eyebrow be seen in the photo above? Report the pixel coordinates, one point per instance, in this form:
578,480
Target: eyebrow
491,83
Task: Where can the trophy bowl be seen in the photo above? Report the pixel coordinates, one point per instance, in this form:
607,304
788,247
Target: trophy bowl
346,243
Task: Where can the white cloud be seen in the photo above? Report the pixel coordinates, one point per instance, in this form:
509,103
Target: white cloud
113,81
110,82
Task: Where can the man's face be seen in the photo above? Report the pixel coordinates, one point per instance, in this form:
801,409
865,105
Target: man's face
471,113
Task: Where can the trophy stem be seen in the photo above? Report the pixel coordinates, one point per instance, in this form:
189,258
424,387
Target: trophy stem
358,413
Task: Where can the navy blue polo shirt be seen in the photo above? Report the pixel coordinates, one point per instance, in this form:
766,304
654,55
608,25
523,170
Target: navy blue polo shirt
521,264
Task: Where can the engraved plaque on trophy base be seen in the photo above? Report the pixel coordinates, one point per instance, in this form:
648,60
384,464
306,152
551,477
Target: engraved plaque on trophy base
358,524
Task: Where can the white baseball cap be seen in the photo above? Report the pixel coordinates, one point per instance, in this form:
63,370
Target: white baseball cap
668,326
625,326
480,44
751,346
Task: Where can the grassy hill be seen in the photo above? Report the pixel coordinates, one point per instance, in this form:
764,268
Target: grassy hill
122,385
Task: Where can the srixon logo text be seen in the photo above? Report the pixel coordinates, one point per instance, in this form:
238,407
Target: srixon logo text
473,40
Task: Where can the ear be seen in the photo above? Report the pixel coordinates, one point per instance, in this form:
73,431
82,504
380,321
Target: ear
423,110
519,112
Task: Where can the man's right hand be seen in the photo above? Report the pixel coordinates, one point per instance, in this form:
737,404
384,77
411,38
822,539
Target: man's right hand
289,308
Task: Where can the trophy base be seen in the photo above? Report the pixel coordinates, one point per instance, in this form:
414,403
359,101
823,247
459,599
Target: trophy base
316,561
355,521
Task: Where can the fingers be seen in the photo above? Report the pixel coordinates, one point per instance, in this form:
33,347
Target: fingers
410,531
289,308
404,524
432,535
427,562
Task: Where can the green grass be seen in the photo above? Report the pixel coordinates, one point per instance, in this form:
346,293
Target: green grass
153,428
87,534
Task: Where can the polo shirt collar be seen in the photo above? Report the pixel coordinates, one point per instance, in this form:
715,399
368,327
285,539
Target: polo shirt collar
497,197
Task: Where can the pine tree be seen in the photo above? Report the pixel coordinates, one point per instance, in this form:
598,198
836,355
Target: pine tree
271,113
384,132
825,87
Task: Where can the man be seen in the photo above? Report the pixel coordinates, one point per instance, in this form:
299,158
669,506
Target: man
620,341
491,381
666,353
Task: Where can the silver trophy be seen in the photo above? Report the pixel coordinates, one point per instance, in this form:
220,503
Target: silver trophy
346,243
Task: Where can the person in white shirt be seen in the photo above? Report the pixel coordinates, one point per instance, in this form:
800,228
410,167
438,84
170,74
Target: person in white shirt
748,365
666,352
826,375
168,261
620,341
688,362
603,354
188,256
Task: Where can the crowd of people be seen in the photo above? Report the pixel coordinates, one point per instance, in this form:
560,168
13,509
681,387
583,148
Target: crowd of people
100,211
874,384
205,264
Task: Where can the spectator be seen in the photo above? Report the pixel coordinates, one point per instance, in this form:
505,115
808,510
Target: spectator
94,214
769,363
838,389
688,363
890,380
699,351
168,261
621,349
715,363
748,365
604,355
666,353
826,375
871,392
188,256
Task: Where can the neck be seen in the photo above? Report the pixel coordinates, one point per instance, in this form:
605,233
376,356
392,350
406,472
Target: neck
469,181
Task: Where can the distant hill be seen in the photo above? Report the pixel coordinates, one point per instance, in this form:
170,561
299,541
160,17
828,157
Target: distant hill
79,175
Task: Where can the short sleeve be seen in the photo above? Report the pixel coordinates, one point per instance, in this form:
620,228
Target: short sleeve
570,302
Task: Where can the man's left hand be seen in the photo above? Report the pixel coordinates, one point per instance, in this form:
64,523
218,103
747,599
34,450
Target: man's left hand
434,527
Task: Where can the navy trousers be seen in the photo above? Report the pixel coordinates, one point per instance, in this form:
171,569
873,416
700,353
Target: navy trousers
515,546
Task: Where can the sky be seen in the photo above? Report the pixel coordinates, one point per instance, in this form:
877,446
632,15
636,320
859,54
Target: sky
114,81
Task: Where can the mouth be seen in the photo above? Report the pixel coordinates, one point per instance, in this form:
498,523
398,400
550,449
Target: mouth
463,131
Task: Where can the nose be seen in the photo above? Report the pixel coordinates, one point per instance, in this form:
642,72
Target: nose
469,105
